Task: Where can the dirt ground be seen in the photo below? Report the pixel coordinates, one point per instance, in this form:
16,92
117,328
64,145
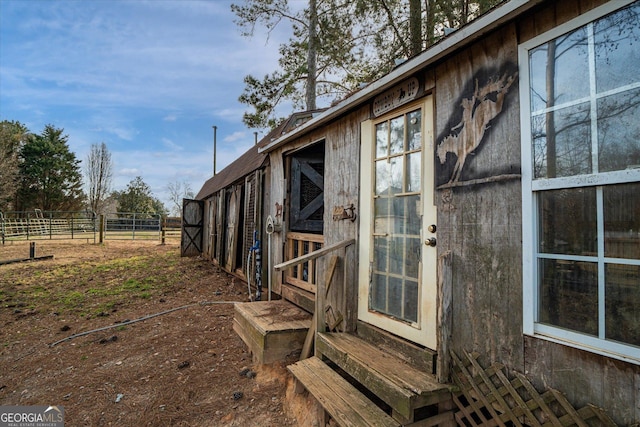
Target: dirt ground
186,367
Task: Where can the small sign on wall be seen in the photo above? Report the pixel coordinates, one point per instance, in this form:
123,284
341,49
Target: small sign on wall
397,96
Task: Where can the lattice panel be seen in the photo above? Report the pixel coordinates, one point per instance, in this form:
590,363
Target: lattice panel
487,397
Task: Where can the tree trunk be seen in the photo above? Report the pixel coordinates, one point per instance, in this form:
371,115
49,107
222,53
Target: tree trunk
312,56
415,26
429,22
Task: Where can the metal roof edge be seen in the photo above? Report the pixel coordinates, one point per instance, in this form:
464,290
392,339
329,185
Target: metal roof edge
458,39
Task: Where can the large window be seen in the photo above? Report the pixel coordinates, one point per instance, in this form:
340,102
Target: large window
580,92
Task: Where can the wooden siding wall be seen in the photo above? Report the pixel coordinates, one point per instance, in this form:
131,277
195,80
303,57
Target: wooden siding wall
213,226
342,149
341,188
479,220
216,224
479,233
278,190
219,226
206,229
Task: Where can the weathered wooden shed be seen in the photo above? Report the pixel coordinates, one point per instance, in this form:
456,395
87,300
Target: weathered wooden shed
466,230
226,219
230,206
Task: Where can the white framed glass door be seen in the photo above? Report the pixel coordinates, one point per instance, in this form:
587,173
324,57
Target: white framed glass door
397,269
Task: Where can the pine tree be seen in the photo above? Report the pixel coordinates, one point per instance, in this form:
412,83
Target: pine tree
338,45
49,173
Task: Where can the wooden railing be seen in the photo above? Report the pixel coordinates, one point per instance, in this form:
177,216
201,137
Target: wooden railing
303,275
319,318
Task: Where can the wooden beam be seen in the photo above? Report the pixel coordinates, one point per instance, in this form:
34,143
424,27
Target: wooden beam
330,271
308,342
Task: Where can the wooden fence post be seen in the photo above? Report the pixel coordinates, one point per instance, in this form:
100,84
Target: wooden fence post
101,235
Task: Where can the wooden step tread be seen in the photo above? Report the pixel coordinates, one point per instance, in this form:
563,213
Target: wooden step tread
272,330
397,383
274,316
346,405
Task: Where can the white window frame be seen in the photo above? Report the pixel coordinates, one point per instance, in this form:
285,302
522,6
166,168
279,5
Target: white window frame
530,186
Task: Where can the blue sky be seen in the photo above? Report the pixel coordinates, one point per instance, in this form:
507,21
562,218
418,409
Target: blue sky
149,78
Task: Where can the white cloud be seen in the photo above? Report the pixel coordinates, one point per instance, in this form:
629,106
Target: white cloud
129,172
236,136
171,145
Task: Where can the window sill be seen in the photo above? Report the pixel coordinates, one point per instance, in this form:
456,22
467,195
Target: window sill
618,351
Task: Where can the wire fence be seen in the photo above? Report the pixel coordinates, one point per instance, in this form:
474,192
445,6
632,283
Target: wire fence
38,225
50,225
132,226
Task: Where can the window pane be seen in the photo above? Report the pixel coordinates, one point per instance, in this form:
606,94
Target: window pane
380,253
622,303
413,171
559,70
378,293
397,135
619,131
568,221
569,295
381,213
562,142
396,169
396,255
413,219
411,301
382,139
383,177
414,130
398,216
394,304
413,258
616,47
622,221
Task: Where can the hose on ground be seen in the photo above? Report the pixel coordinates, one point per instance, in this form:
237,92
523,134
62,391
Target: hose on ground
128,322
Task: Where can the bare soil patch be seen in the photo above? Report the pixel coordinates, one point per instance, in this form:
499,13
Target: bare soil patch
186,367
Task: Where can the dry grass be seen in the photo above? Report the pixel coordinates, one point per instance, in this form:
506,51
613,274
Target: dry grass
180,368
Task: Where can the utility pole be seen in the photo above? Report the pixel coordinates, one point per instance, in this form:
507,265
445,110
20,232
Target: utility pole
215,128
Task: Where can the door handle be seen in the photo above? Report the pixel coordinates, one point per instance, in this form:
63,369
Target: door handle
430,241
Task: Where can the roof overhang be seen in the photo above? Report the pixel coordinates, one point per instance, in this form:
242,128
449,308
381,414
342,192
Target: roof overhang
457,40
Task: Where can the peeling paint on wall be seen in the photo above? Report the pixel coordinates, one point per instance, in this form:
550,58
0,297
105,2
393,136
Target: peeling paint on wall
479,107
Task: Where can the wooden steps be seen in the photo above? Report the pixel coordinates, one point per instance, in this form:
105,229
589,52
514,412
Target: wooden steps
400,385
347,406
272,330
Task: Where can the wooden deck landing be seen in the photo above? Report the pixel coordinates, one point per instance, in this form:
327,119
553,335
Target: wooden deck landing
271,329
400,385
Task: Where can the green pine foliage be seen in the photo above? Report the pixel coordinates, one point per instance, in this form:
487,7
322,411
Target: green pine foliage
356,42
49,175
137,197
